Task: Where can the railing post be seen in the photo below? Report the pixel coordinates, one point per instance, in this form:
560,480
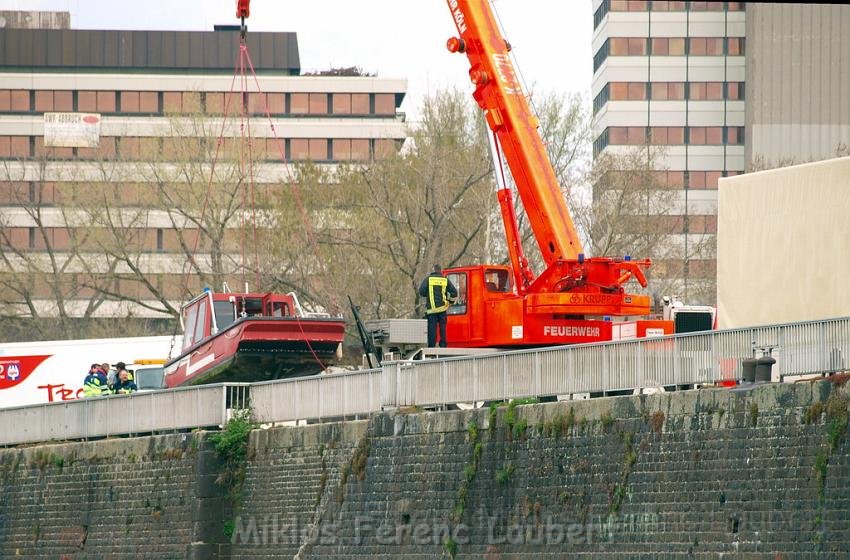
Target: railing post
476,382
504,389
444,391
390,385
538,382
223,405
345,391
640,378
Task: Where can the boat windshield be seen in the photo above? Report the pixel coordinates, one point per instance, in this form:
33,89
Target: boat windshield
225,314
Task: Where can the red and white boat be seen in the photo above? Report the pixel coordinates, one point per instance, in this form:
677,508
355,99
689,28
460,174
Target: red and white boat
247,337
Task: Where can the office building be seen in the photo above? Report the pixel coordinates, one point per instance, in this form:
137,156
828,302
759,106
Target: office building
76,102
717,88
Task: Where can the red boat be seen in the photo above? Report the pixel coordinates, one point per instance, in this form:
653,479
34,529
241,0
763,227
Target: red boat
252,337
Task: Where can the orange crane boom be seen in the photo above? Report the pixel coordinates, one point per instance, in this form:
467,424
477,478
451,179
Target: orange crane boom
499,93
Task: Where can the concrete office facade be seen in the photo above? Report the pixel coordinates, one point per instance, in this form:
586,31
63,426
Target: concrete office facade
719,88
138,83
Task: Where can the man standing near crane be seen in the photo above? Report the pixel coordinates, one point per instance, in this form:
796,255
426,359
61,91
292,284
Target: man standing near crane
439,294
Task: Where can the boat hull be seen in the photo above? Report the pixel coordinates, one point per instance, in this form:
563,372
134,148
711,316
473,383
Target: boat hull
259,349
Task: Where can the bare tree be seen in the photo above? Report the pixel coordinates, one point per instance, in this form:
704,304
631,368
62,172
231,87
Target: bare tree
380,227
183,226
761,163
45,274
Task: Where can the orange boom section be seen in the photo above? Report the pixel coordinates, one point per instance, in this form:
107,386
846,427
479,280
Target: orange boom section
499,93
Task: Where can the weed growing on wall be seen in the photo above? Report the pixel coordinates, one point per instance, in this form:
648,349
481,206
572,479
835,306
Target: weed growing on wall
618,494
231,446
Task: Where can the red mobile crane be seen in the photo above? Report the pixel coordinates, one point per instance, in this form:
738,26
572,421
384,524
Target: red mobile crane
573,299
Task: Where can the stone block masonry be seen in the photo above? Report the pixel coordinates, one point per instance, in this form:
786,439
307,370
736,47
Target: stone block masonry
758,474
701,474
152,497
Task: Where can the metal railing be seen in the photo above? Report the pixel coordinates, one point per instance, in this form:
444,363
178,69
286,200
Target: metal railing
681,360
337,395
137,413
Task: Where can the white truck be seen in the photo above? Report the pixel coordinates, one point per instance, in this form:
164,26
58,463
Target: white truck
53,371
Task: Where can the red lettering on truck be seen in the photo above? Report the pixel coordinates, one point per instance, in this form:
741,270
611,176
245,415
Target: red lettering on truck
61,393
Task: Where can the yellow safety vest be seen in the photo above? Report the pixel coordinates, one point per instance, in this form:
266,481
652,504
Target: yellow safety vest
94,388
437,283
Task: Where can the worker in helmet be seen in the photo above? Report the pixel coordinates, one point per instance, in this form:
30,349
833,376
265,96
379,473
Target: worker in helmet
95,385
439,293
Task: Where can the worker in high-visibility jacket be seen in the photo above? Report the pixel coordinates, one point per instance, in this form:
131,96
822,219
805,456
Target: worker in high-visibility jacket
439,293
95,385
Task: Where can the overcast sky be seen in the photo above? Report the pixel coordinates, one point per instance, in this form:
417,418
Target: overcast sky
395,38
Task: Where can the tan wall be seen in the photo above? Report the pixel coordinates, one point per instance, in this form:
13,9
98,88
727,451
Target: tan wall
783,245
798,81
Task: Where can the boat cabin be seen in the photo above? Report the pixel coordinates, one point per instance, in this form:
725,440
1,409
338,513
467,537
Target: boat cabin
198,323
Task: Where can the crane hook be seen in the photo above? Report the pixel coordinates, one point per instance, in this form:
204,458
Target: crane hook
243,10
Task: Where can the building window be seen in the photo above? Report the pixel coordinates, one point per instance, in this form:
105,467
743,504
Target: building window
735,135
667,91
705,46
360,103
601,98
360,149
631,91
714,91
160,245
46,101
105,101
629,5
735,90
705,135
706,6
627,135
600,143
668,46
675,135
735,46
600,13
601,55
658,135
665,6
341,104
299,103
385,104
628,46
14,101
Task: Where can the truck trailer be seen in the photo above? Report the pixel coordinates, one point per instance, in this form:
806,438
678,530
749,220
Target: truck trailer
53,371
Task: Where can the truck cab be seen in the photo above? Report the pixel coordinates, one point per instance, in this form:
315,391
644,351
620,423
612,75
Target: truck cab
487,308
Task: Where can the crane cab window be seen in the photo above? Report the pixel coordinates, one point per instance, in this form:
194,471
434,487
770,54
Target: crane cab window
497,280
459,281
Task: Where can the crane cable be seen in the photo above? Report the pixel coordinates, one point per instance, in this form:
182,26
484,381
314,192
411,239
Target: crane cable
245,168
245,58
308,229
